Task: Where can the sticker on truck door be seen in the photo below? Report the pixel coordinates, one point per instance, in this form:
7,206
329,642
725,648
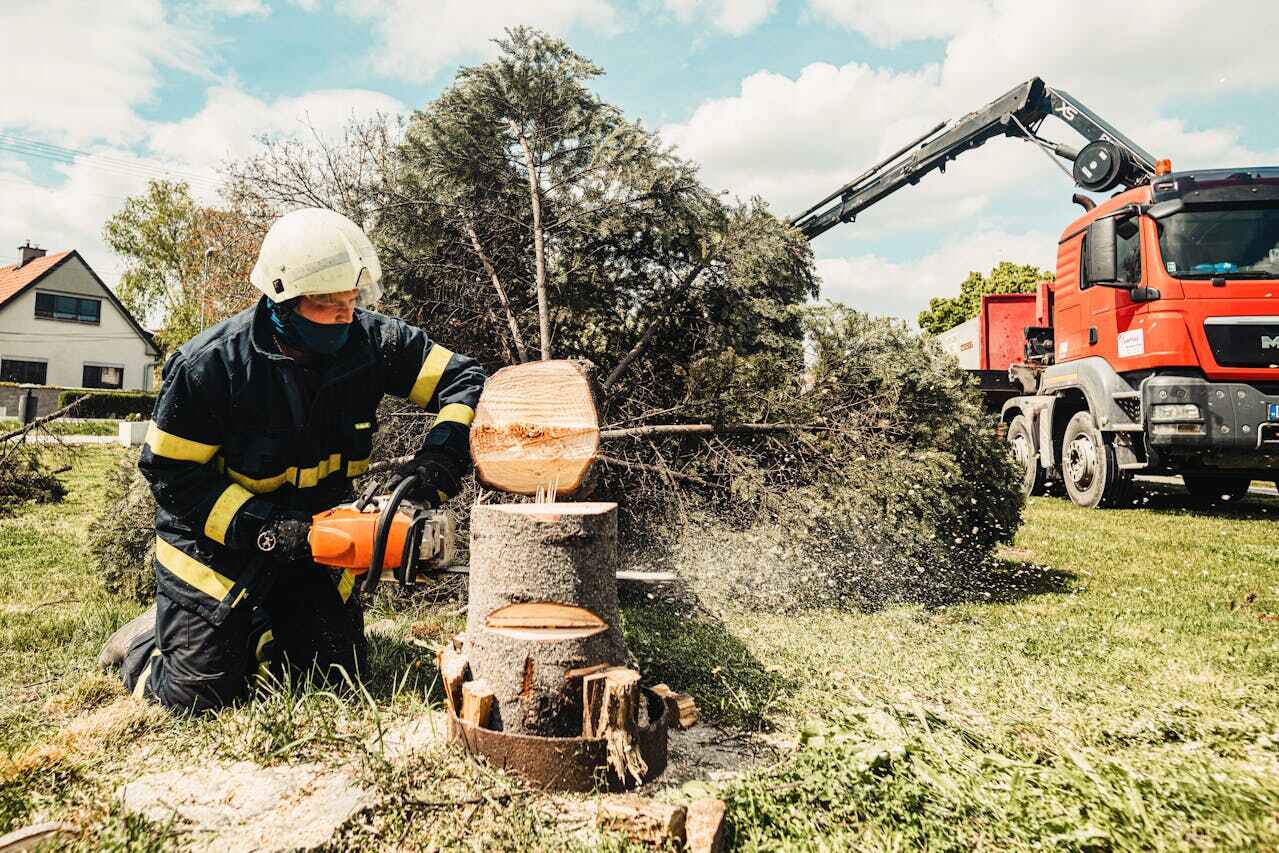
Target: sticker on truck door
1132,342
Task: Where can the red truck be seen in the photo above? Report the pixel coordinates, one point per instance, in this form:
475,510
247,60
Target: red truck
1156,349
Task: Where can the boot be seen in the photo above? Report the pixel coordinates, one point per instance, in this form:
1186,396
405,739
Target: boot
117,645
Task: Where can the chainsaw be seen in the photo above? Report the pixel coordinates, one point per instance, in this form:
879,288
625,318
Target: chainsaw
383,536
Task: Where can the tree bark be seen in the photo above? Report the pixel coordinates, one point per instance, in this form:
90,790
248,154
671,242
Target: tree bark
516,336
543,603
539,249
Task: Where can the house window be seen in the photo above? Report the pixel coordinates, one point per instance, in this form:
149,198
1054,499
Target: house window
56,306
102,376
15,370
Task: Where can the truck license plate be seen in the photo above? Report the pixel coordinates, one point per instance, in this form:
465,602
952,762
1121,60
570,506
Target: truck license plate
1273,414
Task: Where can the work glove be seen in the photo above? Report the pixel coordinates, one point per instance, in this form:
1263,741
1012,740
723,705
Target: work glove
284,536
439,475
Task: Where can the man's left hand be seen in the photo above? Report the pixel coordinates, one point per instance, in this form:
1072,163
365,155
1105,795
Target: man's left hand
439,475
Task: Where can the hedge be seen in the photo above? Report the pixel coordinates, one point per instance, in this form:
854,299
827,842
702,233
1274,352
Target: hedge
109,404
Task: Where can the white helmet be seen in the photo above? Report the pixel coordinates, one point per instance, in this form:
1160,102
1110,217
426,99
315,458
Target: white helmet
314,251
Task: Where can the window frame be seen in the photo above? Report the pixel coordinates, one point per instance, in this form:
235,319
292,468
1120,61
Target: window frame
79,317
25,360
100,366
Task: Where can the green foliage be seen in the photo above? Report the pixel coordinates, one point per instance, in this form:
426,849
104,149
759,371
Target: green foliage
122,536
162,235
108,404
947,312
25,476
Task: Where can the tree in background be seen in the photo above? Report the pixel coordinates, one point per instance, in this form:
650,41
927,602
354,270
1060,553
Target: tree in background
947,312
163,235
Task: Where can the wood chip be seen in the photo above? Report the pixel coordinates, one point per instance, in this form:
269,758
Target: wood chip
453,670
477,702
705,826
681,708
641,819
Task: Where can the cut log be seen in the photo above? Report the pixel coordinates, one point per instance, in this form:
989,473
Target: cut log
537,428
453,668
542,603
644,820
477,703
681,708
705,826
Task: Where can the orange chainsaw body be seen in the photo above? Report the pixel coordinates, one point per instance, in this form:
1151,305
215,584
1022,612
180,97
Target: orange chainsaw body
343,537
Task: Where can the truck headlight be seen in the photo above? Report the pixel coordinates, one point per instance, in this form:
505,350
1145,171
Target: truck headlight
1178,429
1174,412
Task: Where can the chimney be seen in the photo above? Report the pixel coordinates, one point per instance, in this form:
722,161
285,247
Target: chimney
27,253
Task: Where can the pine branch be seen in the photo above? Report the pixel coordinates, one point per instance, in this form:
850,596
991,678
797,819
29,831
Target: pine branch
501,293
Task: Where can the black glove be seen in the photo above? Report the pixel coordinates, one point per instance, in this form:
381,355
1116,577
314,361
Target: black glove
439,475
284,536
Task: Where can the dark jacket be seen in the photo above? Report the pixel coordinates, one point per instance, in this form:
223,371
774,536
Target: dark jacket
235,433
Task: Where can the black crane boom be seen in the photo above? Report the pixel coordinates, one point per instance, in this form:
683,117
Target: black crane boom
1109,160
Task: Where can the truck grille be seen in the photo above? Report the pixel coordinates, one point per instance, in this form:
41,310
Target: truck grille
1244,341
1131,406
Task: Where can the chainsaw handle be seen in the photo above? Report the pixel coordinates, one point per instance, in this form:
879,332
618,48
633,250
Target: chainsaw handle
374,575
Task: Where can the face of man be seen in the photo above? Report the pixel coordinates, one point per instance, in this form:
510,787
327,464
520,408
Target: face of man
329,308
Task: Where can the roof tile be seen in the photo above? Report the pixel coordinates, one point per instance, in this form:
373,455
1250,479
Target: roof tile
13,278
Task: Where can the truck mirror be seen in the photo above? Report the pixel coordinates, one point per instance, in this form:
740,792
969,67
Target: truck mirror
1100,263
1164,209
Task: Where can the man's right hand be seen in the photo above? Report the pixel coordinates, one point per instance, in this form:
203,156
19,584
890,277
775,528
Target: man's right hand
284,536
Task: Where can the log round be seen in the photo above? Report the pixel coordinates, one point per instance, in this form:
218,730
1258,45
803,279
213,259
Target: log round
542,608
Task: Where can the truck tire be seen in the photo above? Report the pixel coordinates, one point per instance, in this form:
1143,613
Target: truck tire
1089,467
1217,488
1023,447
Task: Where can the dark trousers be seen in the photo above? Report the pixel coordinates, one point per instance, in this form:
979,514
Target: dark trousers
303,625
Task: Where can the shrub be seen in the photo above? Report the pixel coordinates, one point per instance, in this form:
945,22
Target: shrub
109,404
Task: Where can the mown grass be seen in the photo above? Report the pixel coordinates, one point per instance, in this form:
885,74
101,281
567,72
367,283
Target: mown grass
67,427
1110,685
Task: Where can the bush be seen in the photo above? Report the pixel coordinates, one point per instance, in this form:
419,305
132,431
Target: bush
109,404
122,537
24,477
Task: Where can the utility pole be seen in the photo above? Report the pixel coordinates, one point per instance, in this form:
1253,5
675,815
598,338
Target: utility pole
204,283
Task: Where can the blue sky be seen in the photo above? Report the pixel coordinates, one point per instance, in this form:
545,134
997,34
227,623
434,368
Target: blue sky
781,98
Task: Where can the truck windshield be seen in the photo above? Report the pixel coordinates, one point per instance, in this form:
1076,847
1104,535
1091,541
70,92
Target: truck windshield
1235,240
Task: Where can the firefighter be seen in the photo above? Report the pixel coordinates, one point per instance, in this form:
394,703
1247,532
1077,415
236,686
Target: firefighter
262,421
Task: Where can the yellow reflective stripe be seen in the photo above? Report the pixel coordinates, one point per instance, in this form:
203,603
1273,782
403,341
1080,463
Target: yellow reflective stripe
224,509
172,446
364,425
356,467
141,686
303,478
429,376
457,413
267,636
266,484
443,497
309,477
346,584
192,571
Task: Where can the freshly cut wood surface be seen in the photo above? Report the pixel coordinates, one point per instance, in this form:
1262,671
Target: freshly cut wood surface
537,428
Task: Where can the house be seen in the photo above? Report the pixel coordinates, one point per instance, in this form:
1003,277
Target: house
60,325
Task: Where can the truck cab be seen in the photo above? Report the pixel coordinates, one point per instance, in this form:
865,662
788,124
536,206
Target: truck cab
1158,344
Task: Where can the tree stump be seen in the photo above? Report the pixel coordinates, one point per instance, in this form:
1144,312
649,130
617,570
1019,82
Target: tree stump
542,610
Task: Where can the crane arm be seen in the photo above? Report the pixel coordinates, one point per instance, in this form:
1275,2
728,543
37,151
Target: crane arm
1109,160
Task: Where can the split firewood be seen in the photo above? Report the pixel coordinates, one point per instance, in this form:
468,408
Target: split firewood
477,702
610,710
537,429
705,826
681,707
641,819
453,668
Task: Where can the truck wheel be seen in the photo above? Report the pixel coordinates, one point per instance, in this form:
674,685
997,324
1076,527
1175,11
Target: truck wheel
1216,488
1023,447
1089,467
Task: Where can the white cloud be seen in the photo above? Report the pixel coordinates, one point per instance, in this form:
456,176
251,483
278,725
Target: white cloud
240,8
232,121
902,288
416,41
889,23
735,17
77,72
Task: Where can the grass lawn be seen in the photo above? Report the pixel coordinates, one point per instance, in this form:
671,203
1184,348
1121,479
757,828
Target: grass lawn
1111,687
62,426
